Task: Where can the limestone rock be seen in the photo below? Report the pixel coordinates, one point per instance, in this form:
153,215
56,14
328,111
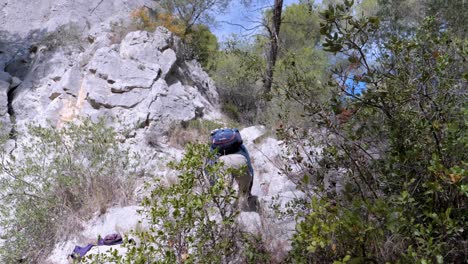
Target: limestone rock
150,48
46,15
250,222
167,61
122,75
68,83
100,94
140,46
4,87
5,77
5,125
71,81
192,71
177,104
15,81
164,38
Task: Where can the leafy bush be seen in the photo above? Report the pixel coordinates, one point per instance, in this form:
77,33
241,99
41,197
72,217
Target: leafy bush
63,177
192,220
202,46
198,41
149,19
236,73
397,149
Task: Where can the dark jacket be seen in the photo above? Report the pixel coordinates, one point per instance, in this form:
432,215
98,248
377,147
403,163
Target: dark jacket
243,151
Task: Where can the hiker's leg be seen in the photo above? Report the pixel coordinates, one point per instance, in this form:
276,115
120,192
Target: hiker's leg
250,186
244,179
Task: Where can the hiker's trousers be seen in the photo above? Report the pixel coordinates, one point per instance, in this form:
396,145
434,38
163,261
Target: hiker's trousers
238,161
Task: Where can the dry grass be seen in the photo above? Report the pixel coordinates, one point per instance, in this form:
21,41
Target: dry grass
66,177
194,131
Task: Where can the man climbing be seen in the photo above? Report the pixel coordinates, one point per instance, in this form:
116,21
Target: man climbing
231,150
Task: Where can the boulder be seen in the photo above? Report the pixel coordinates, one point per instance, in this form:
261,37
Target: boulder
250,222
71,81
100,94
46,15
177,105
150,48
15,82
122,75
140,46
5,125
4,88
192,72
5,77
164,38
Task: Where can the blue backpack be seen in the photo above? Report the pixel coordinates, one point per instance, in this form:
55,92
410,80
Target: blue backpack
226,141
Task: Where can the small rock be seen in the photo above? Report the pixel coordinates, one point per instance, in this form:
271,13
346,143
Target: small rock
15,82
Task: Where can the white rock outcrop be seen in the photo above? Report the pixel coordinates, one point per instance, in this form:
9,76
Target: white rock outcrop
138,83
48,15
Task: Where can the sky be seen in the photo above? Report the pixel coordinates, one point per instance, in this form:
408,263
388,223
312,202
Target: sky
238,14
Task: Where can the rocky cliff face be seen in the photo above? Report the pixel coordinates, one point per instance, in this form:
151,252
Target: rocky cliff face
136,83
139,82
23,17
67,62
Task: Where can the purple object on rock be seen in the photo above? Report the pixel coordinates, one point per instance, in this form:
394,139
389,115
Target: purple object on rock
110,240
79,252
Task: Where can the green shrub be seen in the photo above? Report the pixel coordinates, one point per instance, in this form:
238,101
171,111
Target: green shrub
231,111
236,73
198,42
398,148
202,46
191,220
63,177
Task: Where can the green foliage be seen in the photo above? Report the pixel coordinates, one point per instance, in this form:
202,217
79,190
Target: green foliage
301,67
198,41
299,28
453,13
402,17
255,251
398,149
236,73
190,219
63,177
204,45
297,81
239,69
193,12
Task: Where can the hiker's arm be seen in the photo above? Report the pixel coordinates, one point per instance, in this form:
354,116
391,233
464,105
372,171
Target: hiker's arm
247,156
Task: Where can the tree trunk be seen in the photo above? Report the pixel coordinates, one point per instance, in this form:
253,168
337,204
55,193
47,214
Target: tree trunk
273,52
